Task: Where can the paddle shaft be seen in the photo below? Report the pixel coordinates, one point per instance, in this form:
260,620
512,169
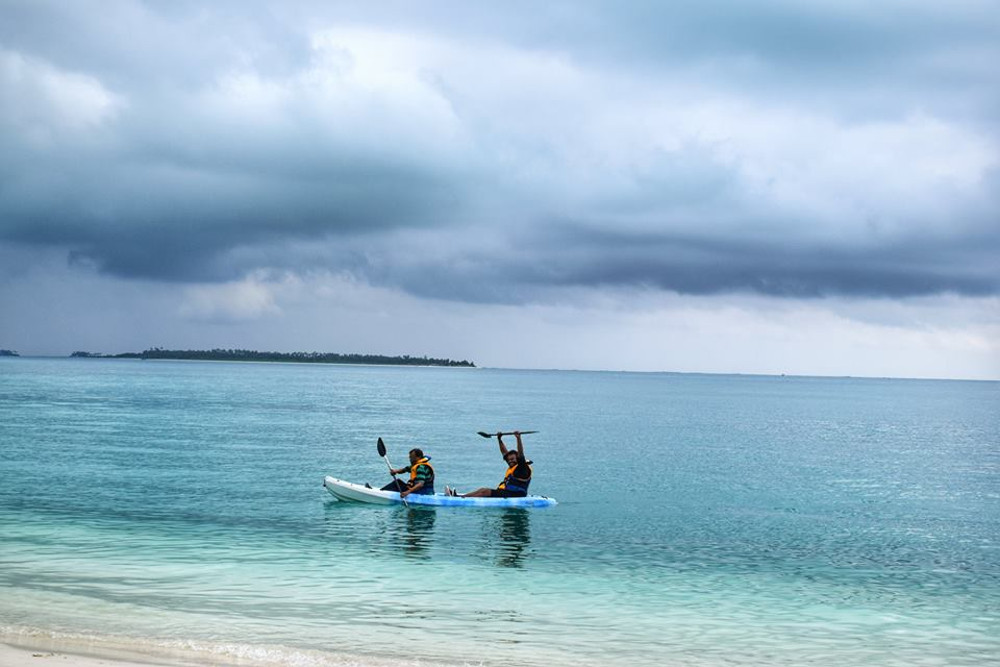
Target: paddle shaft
493,435
385,457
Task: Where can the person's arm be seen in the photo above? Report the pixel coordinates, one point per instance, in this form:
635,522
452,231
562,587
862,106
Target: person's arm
423,477
520,447
419,484
503,448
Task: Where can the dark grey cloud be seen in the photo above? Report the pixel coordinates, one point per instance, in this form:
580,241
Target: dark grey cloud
699,265
178,222
573,255
513,149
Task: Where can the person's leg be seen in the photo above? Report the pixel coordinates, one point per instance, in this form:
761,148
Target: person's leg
478,493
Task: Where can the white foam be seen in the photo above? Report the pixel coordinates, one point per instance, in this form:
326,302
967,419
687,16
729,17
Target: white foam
187,652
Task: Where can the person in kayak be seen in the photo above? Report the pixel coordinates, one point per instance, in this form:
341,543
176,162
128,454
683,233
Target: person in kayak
515,482
421,476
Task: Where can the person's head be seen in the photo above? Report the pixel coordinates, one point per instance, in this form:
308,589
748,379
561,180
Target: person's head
511,457
416,455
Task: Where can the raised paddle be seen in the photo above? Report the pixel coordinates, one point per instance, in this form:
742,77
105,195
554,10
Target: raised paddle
493,435
381,452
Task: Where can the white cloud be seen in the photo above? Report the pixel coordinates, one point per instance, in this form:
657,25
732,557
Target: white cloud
242,301
567,139
42,100
360,90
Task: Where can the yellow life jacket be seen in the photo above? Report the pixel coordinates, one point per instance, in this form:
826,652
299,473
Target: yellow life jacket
428,487
413,468
511,483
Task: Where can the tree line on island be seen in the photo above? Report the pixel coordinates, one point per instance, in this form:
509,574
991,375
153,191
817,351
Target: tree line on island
296,357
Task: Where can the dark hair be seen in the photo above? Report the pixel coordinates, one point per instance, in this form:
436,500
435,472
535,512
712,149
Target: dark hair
419,453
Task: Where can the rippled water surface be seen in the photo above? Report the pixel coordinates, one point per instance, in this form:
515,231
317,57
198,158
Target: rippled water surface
702,520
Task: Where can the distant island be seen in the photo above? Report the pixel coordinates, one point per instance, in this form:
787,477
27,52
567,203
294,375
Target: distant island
9,353
294,357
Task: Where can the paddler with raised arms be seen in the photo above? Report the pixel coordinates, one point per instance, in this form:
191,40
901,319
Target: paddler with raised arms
516,480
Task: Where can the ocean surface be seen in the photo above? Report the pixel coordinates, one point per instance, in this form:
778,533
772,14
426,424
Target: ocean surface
177,508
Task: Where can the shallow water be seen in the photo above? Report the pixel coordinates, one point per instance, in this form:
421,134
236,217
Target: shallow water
703,520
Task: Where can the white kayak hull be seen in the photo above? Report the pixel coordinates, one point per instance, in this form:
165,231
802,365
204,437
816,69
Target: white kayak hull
358,493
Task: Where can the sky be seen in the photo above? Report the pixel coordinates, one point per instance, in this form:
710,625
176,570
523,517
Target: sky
720,186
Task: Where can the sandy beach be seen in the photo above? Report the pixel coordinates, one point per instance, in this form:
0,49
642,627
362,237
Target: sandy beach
17,656
68,652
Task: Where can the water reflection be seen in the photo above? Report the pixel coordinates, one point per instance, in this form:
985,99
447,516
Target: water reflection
513,537
418,530
411,531
380,529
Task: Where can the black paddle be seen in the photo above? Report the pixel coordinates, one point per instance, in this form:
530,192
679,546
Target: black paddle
492,435
381,452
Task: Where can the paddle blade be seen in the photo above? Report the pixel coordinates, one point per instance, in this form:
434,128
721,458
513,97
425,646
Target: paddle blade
485,435
381,448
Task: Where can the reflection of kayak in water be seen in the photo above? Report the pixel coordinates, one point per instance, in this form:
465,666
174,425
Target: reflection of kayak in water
358,493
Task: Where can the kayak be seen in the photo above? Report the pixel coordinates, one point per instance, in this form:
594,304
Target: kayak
359,493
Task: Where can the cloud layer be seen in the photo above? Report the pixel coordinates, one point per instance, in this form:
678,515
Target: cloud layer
496,154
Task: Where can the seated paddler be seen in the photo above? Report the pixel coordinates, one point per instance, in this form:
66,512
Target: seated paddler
421,476
516,479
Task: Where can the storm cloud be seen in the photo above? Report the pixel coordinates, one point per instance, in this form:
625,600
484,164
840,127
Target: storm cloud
497,153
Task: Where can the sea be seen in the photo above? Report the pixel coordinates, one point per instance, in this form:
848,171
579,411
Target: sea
175,510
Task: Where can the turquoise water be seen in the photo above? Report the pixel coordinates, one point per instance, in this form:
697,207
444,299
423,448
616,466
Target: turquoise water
703,520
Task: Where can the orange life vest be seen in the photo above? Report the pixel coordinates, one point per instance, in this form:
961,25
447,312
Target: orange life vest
516,484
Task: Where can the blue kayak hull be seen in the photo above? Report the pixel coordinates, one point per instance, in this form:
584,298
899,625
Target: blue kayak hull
358,493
